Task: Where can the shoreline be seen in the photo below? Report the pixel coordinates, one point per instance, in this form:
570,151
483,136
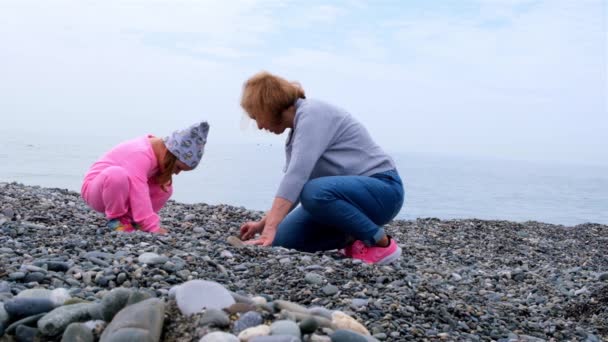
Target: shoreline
463,279
241,207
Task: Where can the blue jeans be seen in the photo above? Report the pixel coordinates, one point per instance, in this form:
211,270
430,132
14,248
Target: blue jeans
337,210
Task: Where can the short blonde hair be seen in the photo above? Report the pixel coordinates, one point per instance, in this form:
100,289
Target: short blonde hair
266,96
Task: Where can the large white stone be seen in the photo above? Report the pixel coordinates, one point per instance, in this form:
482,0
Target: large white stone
219,336
196,295
152,258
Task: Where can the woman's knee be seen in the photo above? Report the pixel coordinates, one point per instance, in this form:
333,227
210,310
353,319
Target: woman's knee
315,195
284,239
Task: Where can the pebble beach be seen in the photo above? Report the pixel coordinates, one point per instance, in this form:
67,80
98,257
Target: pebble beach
64,276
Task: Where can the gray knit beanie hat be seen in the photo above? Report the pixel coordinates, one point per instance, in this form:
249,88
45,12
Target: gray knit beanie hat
188,145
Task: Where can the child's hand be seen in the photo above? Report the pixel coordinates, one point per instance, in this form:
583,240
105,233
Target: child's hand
161,231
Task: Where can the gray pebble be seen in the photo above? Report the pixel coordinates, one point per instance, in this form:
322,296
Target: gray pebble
16,275
26,334
215,317
77,332
329,290
247,320
313,278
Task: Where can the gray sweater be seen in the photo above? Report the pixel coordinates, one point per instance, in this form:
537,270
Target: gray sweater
327,141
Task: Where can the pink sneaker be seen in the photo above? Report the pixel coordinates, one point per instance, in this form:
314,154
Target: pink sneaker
376,255
347,251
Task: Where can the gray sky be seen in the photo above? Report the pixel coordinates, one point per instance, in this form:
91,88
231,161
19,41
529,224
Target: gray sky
506,78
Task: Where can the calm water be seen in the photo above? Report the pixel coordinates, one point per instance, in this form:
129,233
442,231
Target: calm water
443,187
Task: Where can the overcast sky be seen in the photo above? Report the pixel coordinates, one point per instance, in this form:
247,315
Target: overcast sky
513,79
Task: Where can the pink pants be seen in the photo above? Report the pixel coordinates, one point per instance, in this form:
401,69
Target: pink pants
109,193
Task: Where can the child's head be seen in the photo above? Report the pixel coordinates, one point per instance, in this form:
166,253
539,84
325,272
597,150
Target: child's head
185,149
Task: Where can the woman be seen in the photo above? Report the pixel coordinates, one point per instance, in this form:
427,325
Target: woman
346,185
133,181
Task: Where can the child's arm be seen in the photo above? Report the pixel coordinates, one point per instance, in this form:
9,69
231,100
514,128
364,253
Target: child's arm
158,196
141,206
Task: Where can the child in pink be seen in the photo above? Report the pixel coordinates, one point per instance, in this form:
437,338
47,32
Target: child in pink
132,181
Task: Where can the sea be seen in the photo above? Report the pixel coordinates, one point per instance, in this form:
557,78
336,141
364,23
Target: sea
437,186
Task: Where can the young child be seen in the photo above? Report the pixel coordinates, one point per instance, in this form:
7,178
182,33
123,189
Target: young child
133,181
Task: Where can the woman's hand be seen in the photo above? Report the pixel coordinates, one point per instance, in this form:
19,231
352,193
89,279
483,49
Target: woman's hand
249,229
269,224
265,239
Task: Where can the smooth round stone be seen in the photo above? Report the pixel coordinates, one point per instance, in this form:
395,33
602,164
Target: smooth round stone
34,277
16,275
57,320
380,336
215,317
4,318
234,241
342,335
308,325
219,336
77,332
5,296
329,290
35,293
313,278
152,258
55,266
248,334
23,307
456,277
96,326
199,230
29,321
289,306
247,320
196,295
138,322
5,287
603,276
138,296
226,254
343,321
358,302
285,327
33,268
121,278
113,302
26,334
320,311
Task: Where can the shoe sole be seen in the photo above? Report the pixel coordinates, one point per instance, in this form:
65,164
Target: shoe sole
391,258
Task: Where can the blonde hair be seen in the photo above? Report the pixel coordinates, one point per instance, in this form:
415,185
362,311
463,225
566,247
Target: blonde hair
266,96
